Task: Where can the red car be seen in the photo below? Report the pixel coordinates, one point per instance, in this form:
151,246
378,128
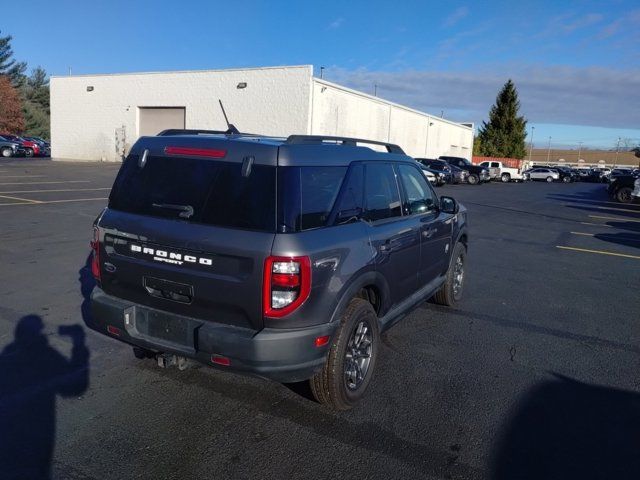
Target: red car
31,148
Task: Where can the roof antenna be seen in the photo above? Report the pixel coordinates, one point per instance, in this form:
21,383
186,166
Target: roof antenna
231,129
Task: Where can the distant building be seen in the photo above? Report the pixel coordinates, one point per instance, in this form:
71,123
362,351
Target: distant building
99,117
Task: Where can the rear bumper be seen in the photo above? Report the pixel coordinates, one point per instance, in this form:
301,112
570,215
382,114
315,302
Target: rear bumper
278,354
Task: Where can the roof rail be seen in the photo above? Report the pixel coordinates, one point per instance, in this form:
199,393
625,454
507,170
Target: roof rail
181,131
311,139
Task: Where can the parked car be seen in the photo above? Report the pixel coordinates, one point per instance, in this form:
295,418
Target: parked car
566,175
429,175
442,167
30,148
283,258
45,147
498,170
547,174
623,188
477,174
9,148
458,175
440,176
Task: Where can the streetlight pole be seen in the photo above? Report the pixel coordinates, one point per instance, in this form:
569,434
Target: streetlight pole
579,150
531,143
321,71
375,89
617,150
549,150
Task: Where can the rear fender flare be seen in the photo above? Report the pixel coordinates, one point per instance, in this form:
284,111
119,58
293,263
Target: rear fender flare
352,289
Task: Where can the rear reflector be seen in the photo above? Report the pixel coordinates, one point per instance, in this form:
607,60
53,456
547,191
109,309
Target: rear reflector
220,360
322,341
113,330
197,152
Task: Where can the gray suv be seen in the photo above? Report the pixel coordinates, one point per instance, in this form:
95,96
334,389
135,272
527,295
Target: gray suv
281,258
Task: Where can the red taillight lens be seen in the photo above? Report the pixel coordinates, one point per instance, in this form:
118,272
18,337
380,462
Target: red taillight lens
197,152
95,257
286,284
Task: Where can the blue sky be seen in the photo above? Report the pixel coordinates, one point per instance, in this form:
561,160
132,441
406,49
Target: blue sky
576,64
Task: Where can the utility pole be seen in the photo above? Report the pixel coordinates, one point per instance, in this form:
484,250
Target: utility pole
375,89
531,143
579,149
321,71
617,150
549,150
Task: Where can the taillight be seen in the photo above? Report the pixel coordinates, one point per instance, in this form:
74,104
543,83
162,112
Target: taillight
286,284
95,257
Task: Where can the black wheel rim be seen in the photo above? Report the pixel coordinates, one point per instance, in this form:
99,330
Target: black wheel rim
357,358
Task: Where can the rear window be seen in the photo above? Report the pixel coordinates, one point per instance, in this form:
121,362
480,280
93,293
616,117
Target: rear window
197,190
306,196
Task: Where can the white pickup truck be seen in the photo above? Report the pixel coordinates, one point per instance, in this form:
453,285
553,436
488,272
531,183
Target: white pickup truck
497,170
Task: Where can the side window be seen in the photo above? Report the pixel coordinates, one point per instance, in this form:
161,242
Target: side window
382,199
351,198
484,164
419,196
495,165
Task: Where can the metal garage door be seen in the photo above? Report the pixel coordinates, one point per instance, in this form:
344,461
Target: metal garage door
155,119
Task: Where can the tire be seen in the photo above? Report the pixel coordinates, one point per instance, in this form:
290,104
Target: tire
566,179
330,386
505,177
623,195
450,293
6,152
28,152
549,179
473,179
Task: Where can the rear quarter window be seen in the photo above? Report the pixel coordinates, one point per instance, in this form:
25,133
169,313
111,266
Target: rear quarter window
306,196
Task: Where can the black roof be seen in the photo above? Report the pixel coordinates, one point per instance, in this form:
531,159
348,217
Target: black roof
295,150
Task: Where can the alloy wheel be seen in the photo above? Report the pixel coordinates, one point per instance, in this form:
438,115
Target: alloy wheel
358,355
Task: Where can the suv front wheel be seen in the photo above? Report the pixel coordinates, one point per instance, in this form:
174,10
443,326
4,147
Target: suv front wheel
349,367
451,291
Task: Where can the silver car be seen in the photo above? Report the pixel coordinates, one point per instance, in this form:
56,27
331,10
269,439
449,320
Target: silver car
546,174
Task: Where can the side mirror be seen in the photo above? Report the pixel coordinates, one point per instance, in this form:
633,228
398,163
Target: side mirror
449,205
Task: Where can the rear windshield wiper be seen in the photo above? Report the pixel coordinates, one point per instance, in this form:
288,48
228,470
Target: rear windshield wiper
186,211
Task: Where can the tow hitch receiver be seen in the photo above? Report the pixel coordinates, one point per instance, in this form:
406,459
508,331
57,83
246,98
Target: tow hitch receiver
168,360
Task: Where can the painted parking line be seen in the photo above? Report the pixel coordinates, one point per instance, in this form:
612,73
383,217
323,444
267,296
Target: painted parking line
21,176
46,202
619,219
19,199
46,183
616,209
58,190
591,224
600,252
628,239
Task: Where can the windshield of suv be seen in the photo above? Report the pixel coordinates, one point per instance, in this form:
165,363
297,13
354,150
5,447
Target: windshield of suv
197,190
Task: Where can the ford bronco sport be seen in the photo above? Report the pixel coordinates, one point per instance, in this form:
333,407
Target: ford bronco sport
281,258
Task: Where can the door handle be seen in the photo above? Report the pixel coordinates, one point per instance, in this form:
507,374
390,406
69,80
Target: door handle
429,232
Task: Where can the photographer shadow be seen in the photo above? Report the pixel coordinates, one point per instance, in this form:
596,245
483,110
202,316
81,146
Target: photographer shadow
32,375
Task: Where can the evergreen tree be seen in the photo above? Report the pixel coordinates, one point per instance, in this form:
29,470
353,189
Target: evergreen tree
35,103
504,135
8,65
11,118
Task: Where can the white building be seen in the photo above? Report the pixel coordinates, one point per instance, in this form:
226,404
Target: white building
99,117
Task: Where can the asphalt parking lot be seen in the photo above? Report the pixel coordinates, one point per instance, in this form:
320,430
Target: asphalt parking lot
534,375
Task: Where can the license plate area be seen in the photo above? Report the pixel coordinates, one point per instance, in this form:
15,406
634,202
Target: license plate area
162,329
